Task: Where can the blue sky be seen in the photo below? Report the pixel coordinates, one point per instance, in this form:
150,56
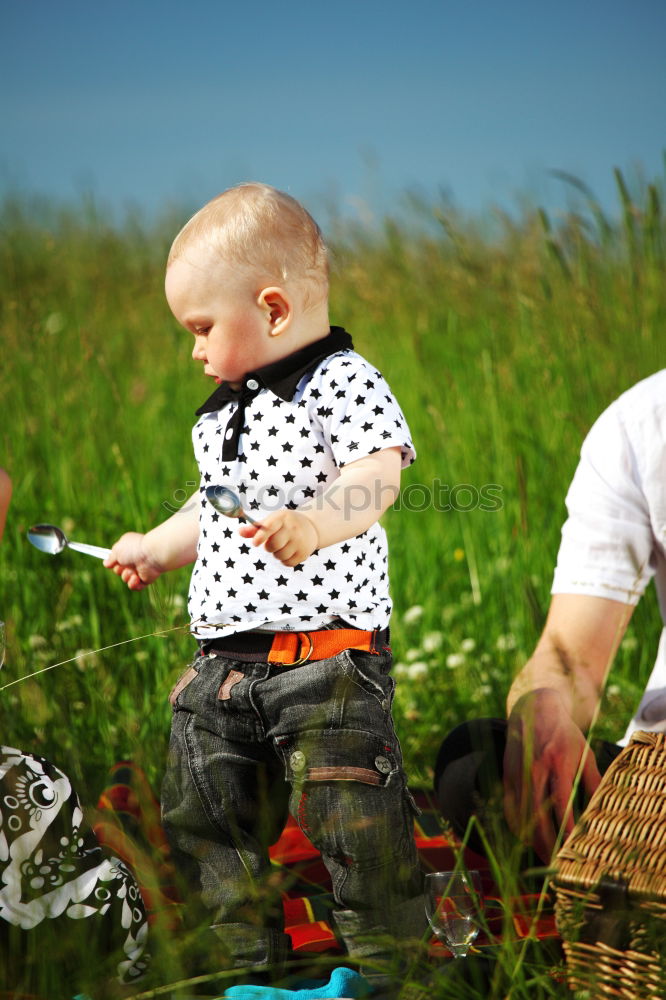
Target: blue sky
152,102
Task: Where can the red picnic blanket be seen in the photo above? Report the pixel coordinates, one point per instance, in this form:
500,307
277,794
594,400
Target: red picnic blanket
128,821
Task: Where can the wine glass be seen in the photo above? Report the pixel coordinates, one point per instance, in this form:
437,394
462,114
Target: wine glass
2,643
453,902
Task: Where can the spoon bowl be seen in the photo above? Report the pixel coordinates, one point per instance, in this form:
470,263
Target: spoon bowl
53,540
226,502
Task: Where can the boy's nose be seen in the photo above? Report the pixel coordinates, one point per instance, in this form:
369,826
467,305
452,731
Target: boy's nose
198,351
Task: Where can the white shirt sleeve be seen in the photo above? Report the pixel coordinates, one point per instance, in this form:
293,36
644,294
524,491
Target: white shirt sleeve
607,547
357,412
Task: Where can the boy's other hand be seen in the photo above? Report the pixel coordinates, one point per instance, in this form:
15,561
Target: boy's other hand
289,535
129,560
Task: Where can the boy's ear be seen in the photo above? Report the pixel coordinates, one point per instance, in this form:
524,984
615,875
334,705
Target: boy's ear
278,308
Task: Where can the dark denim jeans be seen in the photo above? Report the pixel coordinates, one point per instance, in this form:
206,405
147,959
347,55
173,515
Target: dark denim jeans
250,741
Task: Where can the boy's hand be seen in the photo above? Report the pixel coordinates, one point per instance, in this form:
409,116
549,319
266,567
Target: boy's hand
129,560
288,534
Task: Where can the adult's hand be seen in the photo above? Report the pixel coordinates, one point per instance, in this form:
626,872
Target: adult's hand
544,751
551,705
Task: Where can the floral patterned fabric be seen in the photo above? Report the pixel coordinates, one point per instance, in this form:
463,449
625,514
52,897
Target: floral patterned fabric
54,874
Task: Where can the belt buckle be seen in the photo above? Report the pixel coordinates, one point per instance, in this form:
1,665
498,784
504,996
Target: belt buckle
303,659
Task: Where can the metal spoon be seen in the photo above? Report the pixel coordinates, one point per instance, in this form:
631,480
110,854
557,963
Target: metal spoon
226,502
48,538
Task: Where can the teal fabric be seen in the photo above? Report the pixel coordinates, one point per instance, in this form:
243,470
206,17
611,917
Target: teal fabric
343,983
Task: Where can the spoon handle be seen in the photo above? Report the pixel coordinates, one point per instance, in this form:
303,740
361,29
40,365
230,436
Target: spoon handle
250,520
90,550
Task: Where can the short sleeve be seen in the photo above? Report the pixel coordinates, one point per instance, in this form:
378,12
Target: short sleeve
607,546
357,413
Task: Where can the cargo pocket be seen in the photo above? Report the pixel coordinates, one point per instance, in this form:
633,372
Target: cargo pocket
338,755
347,796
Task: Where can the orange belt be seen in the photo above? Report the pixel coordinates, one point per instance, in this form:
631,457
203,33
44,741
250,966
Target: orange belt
290,648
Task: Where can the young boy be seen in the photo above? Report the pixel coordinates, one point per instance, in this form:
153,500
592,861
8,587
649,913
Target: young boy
291,680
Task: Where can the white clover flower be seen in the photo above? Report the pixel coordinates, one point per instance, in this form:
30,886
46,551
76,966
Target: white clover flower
72,622
630,643
614,691
482,691
454,660
412,614
432,641
417,670
505,643
36,641
413,654
54,323
86,658
400,669
141,655
467,645
503,564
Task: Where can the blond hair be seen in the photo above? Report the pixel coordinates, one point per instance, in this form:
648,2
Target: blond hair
257,228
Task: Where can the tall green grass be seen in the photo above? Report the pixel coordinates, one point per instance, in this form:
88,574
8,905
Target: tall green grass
503,342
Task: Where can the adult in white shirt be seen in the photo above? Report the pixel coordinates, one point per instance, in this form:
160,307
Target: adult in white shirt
613,544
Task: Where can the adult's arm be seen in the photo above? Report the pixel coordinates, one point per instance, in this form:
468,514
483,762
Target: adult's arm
551,705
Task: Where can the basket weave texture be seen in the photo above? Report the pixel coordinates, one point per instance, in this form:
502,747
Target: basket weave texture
610,882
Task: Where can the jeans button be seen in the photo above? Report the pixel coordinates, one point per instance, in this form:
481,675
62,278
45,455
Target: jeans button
383,765
297,760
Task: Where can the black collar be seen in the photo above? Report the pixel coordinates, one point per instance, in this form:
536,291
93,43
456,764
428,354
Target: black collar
282,376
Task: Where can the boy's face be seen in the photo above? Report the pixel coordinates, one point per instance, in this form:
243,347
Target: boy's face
221,309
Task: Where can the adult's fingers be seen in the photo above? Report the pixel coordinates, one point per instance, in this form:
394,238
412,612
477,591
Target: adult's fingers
590,777
535,799
542,833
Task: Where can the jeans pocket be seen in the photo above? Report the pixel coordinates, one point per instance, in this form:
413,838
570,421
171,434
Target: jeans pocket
185,678
370,671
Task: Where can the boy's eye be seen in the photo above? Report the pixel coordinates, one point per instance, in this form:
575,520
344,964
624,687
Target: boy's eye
200,329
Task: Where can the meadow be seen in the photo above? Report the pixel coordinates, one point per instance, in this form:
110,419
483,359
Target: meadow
503,339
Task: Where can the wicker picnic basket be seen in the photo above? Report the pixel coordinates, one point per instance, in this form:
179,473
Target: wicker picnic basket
610,882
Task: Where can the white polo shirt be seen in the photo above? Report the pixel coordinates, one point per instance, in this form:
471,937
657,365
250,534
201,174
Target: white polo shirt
614,540
278,442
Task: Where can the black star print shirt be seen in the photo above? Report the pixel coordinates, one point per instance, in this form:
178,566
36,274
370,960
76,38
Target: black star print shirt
279,441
